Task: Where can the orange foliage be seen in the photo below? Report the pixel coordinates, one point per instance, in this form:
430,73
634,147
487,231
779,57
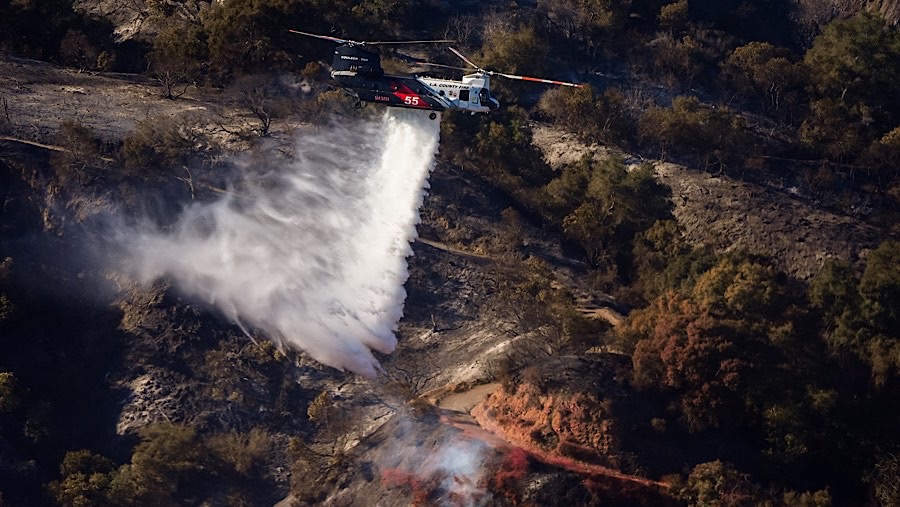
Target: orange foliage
690,353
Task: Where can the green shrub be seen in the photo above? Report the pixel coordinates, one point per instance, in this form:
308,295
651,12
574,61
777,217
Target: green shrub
86,481
714,137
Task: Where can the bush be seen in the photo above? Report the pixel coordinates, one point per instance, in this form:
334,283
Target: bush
765,72
604,118
713,136
167,462
241,451
605,205
76,50
80,151
161,143
176,60
10,393
87,480
861,315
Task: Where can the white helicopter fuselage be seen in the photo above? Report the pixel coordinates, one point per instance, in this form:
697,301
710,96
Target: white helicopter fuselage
471,94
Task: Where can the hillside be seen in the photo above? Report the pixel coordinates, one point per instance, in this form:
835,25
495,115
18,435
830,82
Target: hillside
675,285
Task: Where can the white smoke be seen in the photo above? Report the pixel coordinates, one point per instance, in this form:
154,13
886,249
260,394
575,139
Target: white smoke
313,253
460,464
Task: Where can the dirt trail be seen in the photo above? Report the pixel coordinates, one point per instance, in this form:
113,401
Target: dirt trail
449,398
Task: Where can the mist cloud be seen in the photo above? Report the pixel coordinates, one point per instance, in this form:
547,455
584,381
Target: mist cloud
313,251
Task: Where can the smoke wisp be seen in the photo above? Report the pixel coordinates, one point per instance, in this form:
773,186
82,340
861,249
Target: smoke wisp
312,250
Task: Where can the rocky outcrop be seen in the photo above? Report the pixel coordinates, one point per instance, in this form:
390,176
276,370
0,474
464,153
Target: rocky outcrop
729,214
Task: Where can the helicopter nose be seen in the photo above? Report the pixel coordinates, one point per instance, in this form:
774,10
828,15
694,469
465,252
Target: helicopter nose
494,104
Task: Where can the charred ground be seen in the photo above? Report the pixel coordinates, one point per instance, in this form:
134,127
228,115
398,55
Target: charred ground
732,293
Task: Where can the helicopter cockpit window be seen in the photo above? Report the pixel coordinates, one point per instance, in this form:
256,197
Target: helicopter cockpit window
464,95
475,97
485,95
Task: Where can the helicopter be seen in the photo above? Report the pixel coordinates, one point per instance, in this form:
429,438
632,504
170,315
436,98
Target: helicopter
359,72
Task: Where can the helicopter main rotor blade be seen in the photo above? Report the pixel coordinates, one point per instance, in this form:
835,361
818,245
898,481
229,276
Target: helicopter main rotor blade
364,43
326,37
416,62
536,79
382,43
457,53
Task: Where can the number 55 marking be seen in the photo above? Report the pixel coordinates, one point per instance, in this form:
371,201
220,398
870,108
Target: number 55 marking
411,101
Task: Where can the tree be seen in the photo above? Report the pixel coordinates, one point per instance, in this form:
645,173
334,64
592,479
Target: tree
835,128
680,59
539,314
704,363
715,137
517,50
76,50
7,306
886,480
603,118
879,290
243,36
762,70
674,16
176,60
717,484
502,154
617,204
263,96
862,317
10,392
242,452
164,465
86,480
742,288
884,157
834,292
663,260
80,152
162,143
856,62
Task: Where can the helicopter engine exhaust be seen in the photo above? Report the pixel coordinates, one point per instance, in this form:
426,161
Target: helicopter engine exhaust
311,252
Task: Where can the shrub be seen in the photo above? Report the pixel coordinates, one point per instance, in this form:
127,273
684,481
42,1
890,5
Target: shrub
713,136
80,151
10,393
765,72
87,480
612,205
603,118
241,451
76,50
168,461
162,142
179,50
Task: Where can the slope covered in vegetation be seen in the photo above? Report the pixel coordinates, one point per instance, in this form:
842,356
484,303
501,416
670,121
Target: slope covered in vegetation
753,385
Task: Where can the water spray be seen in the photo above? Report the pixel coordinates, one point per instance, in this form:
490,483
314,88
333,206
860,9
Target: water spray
314,251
